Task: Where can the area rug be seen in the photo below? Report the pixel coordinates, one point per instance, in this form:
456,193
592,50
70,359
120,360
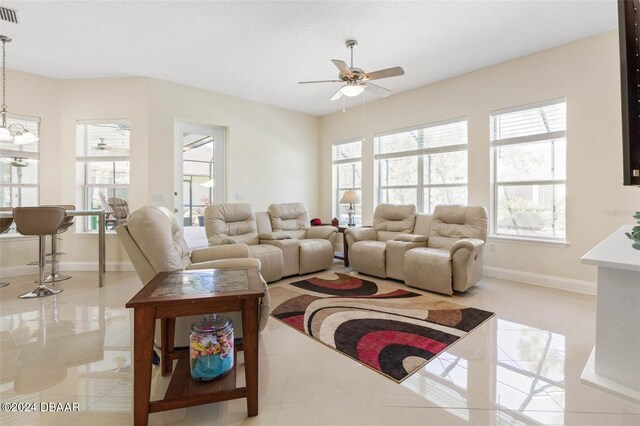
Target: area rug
381,325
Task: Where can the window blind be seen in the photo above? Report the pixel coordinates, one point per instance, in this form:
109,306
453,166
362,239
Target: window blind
445,137
347,151
537,123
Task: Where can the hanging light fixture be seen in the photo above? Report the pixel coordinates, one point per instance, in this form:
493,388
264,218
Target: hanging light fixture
16,132
352,89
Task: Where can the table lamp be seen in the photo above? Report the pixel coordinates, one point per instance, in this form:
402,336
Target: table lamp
350,197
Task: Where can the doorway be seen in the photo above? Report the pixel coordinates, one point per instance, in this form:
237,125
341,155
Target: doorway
199,173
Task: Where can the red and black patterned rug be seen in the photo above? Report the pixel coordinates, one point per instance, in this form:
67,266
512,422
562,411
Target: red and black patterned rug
381,325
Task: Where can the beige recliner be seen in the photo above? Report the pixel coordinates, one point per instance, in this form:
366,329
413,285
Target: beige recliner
304,248
154,242
452,259
380,250
236,224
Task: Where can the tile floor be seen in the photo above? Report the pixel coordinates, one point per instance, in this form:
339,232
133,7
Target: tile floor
521,367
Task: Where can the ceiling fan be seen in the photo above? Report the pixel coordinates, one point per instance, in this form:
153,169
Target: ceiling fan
16,161
103,146
356,80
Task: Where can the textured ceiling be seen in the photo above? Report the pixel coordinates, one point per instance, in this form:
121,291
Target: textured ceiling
259,50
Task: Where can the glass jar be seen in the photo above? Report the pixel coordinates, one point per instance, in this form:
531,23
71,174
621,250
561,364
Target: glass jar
211,347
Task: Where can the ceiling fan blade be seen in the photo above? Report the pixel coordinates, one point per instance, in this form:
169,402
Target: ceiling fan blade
342,66
338,95
319,81
378,90
388,72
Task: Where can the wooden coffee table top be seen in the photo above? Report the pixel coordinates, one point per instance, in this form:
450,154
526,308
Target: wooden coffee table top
199,285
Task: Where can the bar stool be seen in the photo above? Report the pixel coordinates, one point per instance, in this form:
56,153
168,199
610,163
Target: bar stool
120,210
54,276
40,221
108,212
5,224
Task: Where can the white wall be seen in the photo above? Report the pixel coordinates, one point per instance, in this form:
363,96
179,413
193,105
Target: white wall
271,152
587,74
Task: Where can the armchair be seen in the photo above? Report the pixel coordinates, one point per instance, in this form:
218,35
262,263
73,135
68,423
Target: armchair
305,249
227,224
380,250
154,242
452,259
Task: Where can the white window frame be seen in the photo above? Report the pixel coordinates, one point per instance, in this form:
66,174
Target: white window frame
496,144
421,153
337,188
85,160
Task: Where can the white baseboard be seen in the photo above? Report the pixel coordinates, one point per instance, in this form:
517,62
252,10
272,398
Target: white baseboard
14,271
93,266
569,284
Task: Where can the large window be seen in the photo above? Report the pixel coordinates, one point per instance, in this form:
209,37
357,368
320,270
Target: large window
529,171
19,165
102,151
347,170
424,166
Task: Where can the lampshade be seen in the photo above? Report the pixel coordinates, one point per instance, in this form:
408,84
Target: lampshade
5,136
350,197
23,138
352,90
208,184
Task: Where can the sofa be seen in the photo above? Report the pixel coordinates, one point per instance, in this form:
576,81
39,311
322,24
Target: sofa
305,249
452,259
235,223
380,250
442,252
154,242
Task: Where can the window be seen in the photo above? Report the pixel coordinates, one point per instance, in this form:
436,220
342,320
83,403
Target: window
347,171
198,185
19,166
425,166
102,158
529,171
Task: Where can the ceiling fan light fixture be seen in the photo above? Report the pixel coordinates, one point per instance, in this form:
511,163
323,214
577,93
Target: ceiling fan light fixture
352,90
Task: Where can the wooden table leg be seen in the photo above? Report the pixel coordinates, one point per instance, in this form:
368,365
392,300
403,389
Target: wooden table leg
143,326
250,342
167,331
345,248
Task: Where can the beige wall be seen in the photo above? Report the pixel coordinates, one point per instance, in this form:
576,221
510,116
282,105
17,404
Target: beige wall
586,73
271,152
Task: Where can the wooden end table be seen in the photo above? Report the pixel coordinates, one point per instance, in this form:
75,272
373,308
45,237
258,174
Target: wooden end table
175,294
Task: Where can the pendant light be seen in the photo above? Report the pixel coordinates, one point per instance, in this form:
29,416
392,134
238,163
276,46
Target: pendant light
16,132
